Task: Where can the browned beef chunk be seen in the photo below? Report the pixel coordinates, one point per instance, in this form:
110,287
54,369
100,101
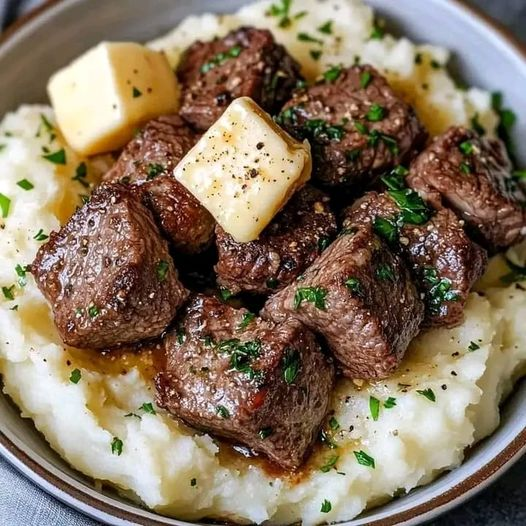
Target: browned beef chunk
107,273
287,246
245,63
472,176
356,125
262,384
445,262
148,161
360,297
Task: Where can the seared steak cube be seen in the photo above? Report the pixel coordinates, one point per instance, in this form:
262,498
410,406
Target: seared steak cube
444,260
246,63
360,297
107,273
355,123
147,162
262,384
287,246
472,176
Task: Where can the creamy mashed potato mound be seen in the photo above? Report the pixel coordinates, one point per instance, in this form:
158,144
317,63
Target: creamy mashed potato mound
444,397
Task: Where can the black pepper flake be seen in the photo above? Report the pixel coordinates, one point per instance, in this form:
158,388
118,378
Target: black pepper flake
260,145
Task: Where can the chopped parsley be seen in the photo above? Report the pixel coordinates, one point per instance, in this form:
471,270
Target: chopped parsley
516,274
385,272
153,170
291,364
181,336
225,294
318,129
315,295
326,439
323,243
315,54
281,10
439,291
8,292
93,311
386,228
376,113
374,137
465,168
413,209
21,273
58,157
248,317
365,79
473,346
395,179
374,407
519,174
136,92
25,184
305,37
334,424
221,58
390,403
418,58
507,119
466,147
222,411
5,205
241,355
377,33
161,269
326,506
265,433
332,73
135,415
116,446
329,464
193,482
75,376
427,393
81,173
40,236
147,407
354,285
364,459
435,64
326,28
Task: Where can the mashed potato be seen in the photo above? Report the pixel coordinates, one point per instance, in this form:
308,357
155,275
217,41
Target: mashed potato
383,438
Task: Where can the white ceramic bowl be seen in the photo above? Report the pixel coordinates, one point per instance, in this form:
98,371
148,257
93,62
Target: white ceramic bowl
62,29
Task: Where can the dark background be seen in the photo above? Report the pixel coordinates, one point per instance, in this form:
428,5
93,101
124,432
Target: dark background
503,504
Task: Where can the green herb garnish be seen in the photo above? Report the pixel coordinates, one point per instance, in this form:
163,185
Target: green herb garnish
386,228
354,285
334,424
374,407
153,170
272,283
81,173
385,272
8,292
40,236
365,79
58,157
75,376
161,269
376,113
439,291
427,393
241,355
516,274
222,411
332,73
221,58
225,294
5,205
390,403
364,459
291,364
507,119
305,37
377,33
136,92
326,506
281,10
116,446
318,129
329,464
93,311
21,273
25,184
248,317
315,295
473,346
265,433
326,439
147,407
326,28
475,124
466,147
315,54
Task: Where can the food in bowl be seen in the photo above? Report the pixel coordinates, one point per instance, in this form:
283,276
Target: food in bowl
343,341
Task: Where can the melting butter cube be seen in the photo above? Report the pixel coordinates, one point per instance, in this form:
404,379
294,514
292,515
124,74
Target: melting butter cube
102,97
244,169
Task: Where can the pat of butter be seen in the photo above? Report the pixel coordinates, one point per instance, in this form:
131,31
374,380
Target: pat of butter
102,97
244,169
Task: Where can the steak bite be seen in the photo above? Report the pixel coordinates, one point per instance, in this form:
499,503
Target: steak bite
246,63
263,384
147,162
359,296
107,273
287,246
356,125
445,262
472,176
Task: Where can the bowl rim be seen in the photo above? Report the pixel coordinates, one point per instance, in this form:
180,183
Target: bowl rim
100,509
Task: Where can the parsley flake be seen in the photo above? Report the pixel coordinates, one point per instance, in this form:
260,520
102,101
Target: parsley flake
93,311
427,393
315,295
390,403
354,285
315,54
58,157
386,228
5,205
439,290
329,464
147,407
8,292
193,482
153,170
326,506
21,273
25,185
376,113
334,424
377,33
385,272
364,459
81,173
136,92
75,376
222,411
473,346
466,147
365,79
161,269
332,73
326,28
221,58
40,236
374,407
248,317
265,433
116,446
291,364
305,37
